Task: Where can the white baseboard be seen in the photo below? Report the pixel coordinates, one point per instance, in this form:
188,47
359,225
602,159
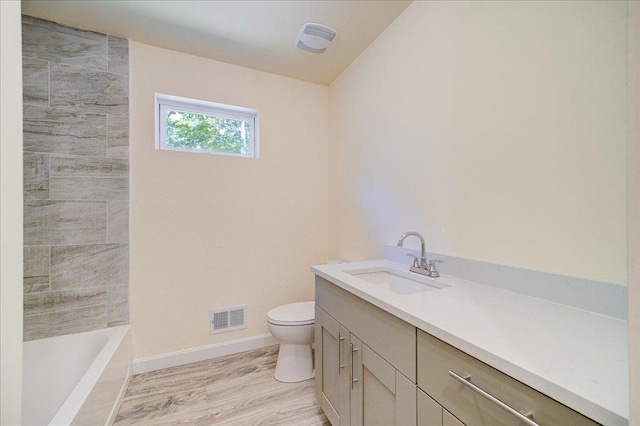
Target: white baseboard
172,359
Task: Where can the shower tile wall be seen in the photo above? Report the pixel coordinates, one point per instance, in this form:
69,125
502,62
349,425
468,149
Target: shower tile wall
76,179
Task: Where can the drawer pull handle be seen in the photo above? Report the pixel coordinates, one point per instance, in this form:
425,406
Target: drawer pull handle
353,379
524,417
340,364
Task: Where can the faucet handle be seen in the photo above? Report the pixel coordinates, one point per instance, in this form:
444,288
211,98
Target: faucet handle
431,267
416,264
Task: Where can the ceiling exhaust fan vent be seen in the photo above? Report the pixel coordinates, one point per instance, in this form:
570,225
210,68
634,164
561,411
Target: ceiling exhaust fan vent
314,37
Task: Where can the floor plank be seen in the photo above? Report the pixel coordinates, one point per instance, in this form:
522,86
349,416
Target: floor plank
233,390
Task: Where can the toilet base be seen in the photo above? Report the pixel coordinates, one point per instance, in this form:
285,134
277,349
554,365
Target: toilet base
295,363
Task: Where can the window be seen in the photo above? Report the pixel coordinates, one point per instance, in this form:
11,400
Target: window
192,125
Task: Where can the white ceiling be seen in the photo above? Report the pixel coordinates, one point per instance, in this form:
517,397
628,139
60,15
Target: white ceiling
254,34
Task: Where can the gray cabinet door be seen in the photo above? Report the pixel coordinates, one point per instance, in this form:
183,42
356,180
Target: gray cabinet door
332,369
380,395
429,411
449,420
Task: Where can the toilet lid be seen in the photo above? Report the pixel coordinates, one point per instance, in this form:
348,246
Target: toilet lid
302,313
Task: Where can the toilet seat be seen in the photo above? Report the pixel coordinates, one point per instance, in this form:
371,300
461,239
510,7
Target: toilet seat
302,313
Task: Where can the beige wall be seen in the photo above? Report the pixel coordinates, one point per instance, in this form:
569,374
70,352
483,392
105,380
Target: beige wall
496,129
11,214
211,231
633,205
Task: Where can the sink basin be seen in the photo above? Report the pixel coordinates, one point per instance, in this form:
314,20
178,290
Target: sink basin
395,281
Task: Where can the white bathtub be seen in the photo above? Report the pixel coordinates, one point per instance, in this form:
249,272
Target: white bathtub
76,379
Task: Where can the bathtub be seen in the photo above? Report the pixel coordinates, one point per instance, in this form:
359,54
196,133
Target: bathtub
76,379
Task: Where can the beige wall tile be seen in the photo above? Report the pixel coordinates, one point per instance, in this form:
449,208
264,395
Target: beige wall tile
84,90
117,136
118,55
66,45
35,82
36,268
65,322
64,222
68,179
89,188
86,266
51,302
35,176
64,132
88,166
117,306
118,221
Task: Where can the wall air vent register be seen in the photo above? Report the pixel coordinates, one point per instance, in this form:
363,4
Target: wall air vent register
227,319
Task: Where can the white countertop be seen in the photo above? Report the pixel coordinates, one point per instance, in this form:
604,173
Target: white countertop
576,357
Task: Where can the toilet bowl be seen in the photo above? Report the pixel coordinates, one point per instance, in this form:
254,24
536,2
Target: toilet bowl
293,326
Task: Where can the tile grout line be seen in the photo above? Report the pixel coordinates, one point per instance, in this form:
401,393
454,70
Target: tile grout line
106,135
79,201
50,261
107,53
49,84
84,288
74,156
78,110
88,289
75,245
107,223
54,310
75,66
68,176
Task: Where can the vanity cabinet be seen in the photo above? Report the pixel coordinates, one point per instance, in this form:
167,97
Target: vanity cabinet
373,368
360,351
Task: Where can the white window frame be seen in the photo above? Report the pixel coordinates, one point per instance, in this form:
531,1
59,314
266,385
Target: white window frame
164,103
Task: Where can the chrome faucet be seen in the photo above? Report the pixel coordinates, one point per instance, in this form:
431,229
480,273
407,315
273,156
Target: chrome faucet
423,254
424,268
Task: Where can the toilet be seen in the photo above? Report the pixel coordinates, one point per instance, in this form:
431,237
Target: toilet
293,326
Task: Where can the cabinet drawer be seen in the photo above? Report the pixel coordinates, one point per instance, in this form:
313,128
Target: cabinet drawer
393,339
436,359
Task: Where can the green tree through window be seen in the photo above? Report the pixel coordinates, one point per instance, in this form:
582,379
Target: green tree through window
207,133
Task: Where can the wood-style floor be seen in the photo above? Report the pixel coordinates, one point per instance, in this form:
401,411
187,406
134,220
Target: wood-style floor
233,390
